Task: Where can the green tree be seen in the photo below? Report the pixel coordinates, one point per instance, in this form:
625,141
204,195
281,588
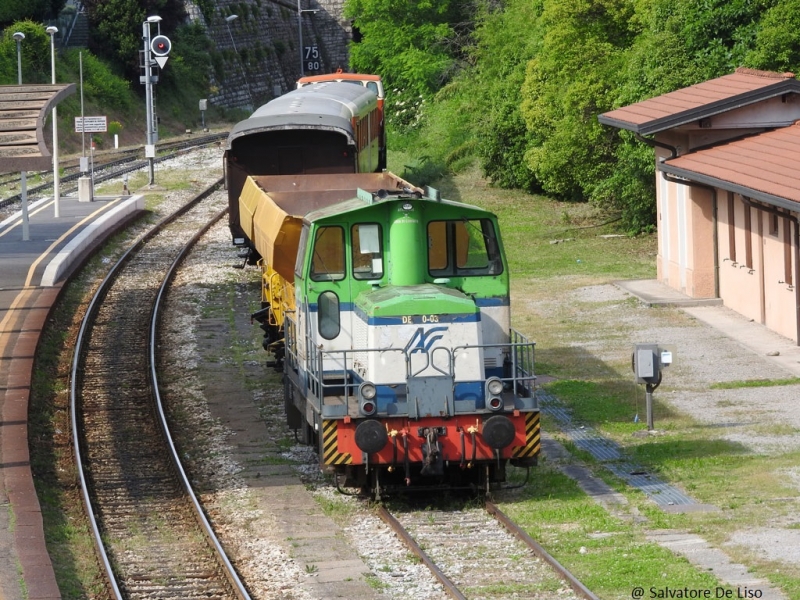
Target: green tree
567,85
679,43
185,78
413,44
33,10
777,43
506,39
34,50
117,27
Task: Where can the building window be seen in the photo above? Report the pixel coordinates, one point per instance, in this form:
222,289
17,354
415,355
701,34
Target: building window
748,238
731,228
787,252
773,225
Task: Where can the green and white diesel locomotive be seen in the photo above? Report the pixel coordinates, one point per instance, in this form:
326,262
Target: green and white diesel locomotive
389,311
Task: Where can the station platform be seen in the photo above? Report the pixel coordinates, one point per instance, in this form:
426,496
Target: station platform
32,273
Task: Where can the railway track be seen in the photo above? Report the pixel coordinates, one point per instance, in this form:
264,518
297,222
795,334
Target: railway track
479,552
152,537
105,168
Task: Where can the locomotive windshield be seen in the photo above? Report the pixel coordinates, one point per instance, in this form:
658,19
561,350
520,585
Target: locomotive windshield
367,255
327,263
462,248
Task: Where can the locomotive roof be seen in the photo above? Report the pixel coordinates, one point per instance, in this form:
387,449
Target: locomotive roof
326,105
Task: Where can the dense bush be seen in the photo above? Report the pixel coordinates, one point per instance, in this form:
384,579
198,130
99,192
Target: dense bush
12,11
522,92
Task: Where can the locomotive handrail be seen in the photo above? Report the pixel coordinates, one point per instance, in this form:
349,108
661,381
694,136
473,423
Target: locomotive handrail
522,374
521,378
430,363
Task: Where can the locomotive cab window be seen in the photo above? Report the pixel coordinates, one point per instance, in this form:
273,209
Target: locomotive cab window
463,247
327,261
328,319
367,254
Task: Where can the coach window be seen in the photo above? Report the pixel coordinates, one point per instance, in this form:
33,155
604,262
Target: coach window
464,247
367,255
328,315
327,262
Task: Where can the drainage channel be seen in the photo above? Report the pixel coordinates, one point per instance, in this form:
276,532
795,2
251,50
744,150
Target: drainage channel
609,454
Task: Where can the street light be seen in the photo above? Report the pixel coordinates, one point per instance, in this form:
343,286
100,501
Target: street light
23,175
19,36
228,20
52,31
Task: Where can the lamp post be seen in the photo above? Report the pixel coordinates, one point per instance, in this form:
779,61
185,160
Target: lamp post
23,175
228,20
19,36
52,31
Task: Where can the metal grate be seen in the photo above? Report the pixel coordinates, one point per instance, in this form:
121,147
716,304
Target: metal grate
609,455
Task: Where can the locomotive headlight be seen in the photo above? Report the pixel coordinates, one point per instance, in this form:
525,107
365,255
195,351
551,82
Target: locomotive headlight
367,390
366,394
494,391
494,386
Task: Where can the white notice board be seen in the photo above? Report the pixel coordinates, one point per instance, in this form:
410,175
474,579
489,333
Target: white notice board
91,124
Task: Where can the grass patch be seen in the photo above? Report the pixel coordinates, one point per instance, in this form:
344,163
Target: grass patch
754,383
567,522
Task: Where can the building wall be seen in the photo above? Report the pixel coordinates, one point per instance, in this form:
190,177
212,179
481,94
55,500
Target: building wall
757,271
266,38
685,216
740,277
780,294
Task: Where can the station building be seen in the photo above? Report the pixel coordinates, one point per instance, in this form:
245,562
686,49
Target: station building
727,155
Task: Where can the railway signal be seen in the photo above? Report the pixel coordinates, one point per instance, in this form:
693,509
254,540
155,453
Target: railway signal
160,47
156,51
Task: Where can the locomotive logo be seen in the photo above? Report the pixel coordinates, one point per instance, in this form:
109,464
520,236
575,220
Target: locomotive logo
422,340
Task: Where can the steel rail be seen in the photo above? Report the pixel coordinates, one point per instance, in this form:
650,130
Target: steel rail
449,586
174,149
81,341
539,551
208,530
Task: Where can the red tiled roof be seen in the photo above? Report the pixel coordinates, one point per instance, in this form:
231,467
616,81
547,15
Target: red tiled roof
743,87
763,166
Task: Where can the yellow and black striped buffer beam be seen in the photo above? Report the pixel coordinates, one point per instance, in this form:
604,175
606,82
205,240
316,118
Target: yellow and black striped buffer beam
330,445
532,437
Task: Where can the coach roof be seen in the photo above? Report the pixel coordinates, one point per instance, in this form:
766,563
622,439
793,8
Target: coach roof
327,105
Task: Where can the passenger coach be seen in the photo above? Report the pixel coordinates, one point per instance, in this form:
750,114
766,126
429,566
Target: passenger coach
326,127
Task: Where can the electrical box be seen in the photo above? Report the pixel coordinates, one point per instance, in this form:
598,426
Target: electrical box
647,362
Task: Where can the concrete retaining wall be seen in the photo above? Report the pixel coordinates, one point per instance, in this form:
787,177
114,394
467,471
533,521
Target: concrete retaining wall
266,39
